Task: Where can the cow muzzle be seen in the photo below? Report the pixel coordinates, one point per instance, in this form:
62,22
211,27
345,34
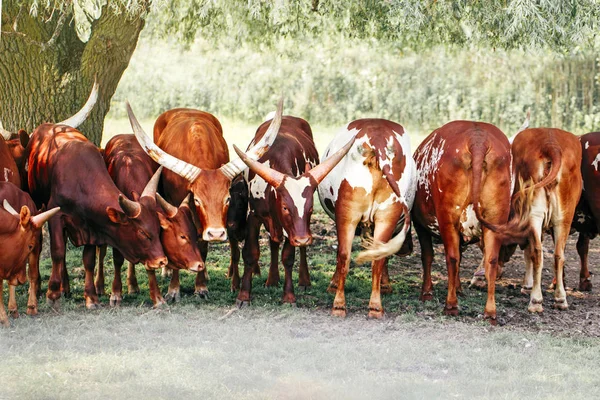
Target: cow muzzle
158,263
301,242
215,235
197,267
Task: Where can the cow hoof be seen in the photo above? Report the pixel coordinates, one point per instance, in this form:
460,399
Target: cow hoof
288,298
332,288
5,323
173,296
133,289
535,306
53,303
304,287
561,304
161,303
386,289
585,285
375,313
426,296
202,293
32,311
526,290
100,291
451,311
491,317
242,303
14,313
339,312
115,301
92,306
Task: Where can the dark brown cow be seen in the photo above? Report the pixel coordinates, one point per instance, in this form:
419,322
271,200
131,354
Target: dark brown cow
372,188
67,170
281,185
463,193
131,169
551,158
19,236
191,145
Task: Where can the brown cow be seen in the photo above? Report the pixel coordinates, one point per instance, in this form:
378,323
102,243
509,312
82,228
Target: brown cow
464,193
67,170
9,172
19,234
281,185
552,159
373,188
131,169
191,145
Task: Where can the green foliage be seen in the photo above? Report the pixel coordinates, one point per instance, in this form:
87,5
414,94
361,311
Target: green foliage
335,80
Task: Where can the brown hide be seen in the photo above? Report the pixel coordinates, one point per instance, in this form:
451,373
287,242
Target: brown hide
458,164
67,170
9,172
196,137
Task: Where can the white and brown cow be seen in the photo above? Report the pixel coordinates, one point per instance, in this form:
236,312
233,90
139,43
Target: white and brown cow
373,187
464,191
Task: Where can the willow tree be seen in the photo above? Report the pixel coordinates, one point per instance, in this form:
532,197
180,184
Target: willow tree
51,50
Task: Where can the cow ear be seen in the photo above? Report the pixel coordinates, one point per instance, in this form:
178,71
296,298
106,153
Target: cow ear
164,221
23,138
135,195
25,216
116,216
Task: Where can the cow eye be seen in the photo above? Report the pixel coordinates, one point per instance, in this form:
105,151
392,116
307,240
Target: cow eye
183,237
198,202
227,200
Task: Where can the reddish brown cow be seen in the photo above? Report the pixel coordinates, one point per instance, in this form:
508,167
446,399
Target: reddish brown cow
19,234
131,169
191,145
281,185
67,170
464,193
552,159
9,171
373,188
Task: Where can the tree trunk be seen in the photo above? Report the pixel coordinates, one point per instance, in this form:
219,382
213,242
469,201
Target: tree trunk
47,72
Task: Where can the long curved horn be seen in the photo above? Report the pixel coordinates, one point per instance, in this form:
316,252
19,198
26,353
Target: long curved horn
180,167
85,111
152,185
234,167
5,134
9,208
272,177
320,171
131,208
40,219
170,209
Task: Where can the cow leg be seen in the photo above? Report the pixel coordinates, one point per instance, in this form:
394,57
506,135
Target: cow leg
451,241
250,254
382,233
288,254
3,317
533,252
155,295
303,275
200,287
12,301
527,283
173,293
101,253
273,278
89,263
333,284
233,272
132,282
34,278
117,286
585,279
491,252
426,260
561,233
57,252
345,232
386,286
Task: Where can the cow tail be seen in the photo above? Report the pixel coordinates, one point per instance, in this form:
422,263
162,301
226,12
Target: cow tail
375,250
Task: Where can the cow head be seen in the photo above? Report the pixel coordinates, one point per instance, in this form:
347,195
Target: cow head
139,216
24,238
294,195
209,187
178,235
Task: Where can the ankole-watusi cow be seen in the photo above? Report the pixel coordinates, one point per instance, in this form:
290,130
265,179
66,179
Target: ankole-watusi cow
464,186
19,236
131,169
67,170
551,158
190,144
373,188
18,199
281,185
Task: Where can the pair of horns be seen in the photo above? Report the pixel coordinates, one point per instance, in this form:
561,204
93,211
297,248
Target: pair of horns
132,208
274,178
191,172
37,220
170,209
73,121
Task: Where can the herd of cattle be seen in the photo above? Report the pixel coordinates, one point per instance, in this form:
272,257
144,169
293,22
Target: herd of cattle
466,183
